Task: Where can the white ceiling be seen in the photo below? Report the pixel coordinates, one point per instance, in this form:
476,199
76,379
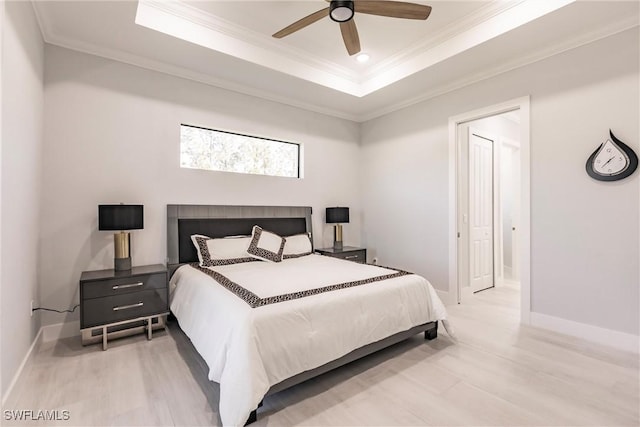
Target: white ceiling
382,38
229,44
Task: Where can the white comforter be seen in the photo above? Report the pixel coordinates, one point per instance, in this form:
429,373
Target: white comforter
250,349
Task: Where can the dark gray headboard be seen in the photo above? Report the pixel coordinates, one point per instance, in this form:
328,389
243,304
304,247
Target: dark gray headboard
221,221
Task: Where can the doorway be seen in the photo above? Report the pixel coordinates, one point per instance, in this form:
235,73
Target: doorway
489,201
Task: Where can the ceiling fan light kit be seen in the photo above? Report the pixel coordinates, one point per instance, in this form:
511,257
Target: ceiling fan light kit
363,57
343,12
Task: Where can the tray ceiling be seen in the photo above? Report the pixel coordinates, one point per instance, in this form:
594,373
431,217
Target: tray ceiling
229,44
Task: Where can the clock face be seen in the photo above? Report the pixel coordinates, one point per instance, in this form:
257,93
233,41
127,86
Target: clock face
610,160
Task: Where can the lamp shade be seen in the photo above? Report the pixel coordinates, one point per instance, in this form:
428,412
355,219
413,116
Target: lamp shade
120,217
337,215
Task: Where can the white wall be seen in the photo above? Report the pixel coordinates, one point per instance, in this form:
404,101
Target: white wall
112,135
22,109
575,98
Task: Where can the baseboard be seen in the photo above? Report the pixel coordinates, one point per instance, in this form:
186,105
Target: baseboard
60,330
25,362
609,337
45,334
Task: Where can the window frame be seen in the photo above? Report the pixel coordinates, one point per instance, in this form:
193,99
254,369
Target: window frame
298,145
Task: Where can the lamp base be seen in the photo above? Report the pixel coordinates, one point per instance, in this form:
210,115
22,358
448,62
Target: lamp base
122,258
122,264
337,236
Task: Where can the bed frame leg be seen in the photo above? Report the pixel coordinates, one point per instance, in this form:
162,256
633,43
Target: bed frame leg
253,416
431,334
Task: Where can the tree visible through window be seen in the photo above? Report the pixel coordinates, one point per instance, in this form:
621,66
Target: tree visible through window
230,152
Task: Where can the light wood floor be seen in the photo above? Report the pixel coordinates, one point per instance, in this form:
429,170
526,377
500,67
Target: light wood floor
497,373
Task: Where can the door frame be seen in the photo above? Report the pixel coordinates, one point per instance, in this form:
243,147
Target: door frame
515,146
523,105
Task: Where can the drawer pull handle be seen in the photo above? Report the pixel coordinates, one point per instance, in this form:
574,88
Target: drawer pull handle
126,307
130,285
351,257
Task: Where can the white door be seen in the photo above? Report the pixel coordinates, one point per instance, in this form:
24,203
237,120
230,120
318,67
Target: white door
481,263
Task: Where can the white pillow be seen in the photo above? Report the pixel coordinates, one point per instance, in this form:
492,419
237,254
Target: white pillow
297,246
266,245
212,252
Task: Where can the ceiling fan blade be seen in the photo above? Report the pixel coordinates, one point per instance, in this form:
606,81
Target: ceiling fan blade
394,9
350,36
300,24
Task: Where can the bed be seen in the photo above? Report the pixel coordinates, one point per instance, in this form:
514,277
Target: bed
262,327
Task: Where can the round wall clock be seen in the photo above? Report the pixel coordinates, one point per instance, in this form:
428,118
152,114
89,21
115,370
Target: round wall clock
612,161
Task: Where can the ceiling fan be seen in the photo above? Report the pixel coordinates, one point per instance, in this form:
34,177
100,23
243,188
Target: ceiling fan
343,11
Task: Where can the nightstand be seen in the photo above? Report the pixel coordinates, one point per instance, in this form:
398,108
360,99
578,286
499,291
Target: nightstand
350,253
120,303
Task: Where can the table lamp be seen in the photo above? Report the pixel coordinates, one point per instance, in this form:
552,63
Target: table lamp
337,216
120,218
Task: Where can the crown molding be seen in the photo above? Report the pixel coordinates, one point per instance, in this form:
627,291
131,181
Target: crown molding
181,72
455,28
499,24
50,37
197,16
196,26
567,45
168,19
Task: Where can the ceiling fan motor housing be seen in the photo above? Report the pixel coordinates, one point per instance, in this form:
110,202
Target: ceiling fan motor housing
341,11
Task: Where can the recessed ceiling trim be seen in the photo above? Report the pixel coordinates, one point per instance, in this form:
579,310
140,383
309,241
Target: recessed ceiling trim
196,26
215,23
181,72
509,19
471,20
52,37
567,45
171,18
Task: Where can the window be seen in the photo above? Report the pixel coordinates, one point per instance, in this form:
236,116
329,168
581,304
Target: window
231,152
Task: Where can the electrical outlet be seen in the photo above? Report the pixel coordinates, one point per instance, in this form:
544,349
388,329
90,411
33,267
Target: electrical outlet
31,312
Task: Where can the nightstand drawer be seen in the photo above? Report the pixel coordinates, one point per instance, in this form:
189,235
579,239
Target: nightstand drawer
124,285
99,311
357,256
